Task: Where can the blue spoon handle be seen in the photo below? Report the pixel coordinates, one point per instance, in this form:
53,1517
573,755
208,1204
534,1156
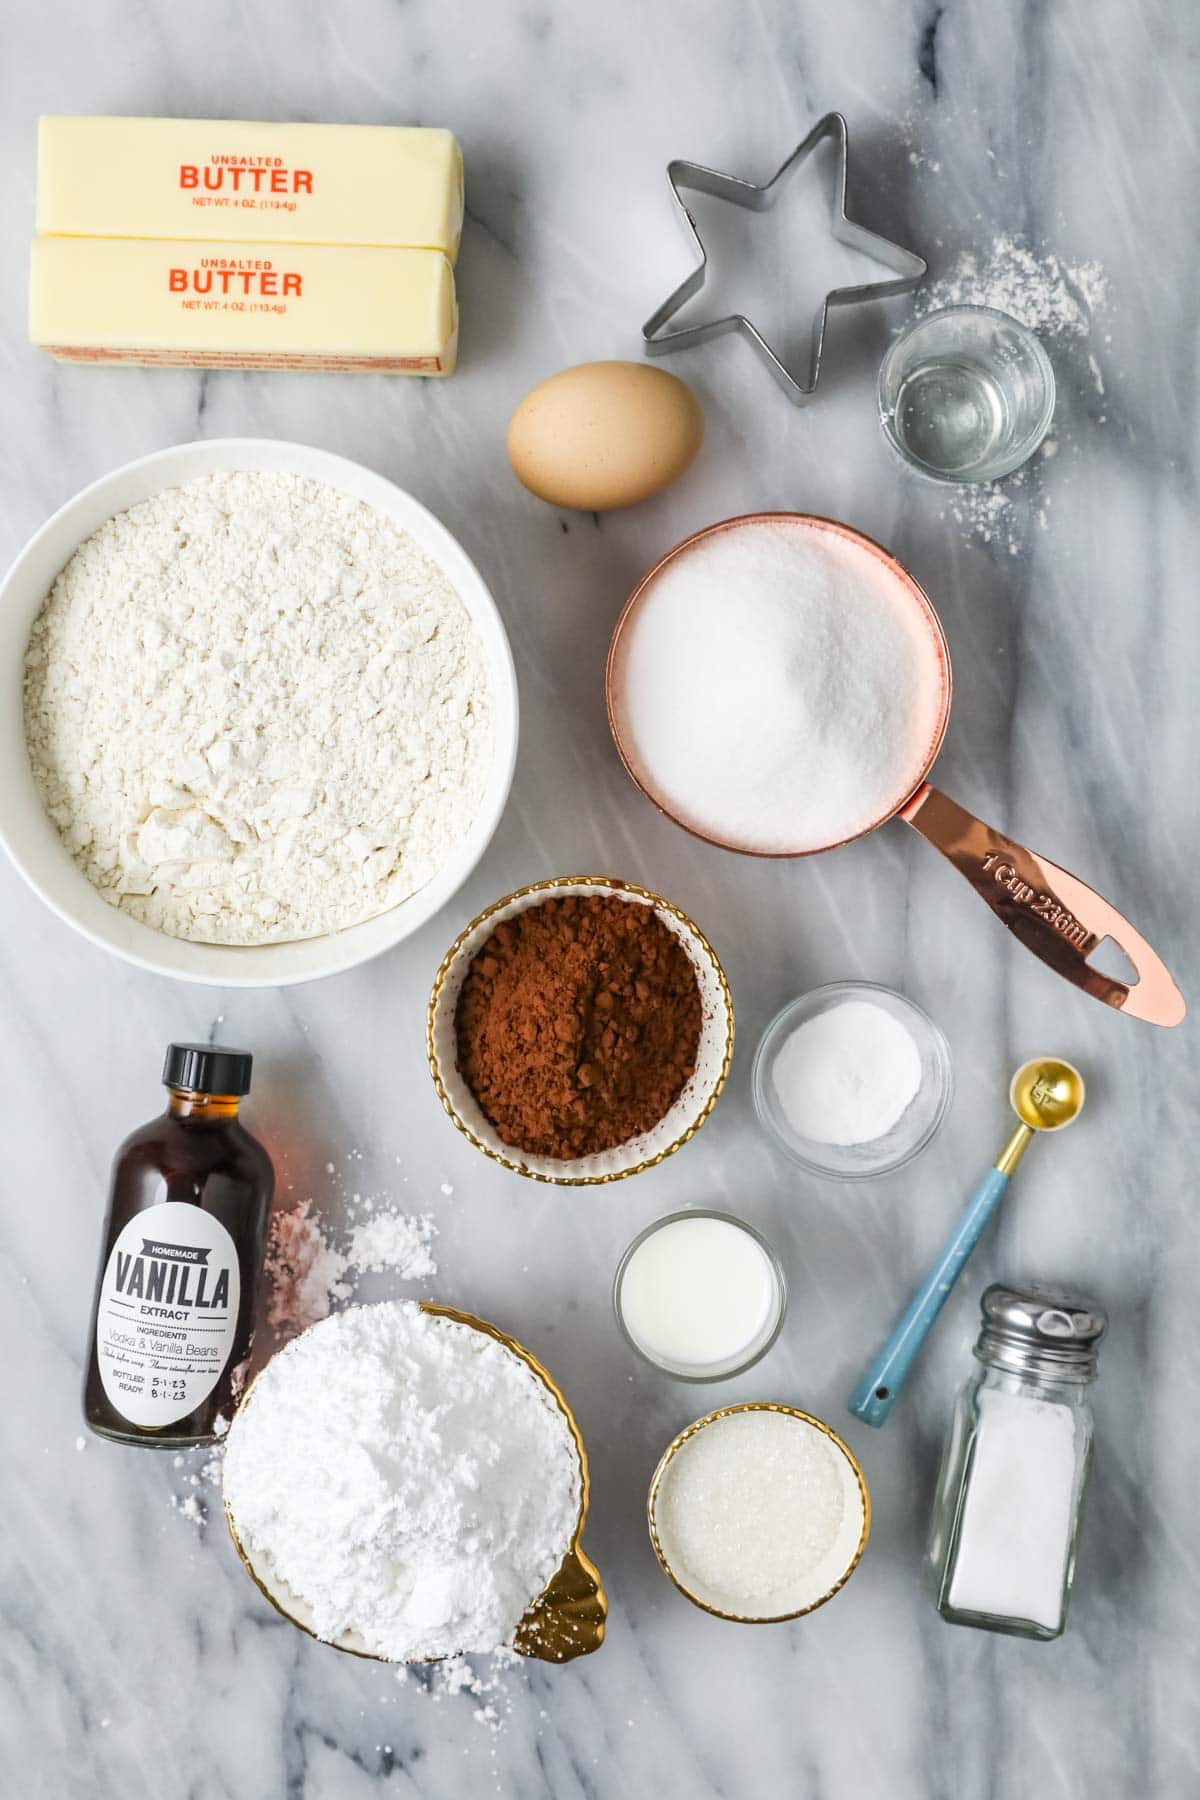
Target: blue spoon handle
873,1399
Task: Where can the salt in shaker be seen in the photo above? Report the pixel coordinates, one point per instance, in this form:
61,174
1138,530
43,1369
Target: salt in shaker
1010,1493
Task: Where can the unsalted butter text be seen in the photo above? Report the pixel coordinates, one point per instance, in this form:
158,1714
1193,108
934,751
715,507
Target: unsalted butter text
214,276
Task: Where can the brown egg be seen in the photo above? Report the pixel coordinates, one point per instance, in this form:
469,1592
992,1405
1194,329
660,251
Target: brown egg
604,434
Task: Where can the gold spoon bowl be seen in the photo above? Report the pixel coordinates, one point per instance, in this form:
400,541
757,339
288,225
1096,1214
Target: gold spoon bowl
1047,1094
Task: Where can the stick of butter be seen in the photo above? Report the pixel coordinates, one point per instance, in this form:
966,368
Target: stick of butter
212,178
243,306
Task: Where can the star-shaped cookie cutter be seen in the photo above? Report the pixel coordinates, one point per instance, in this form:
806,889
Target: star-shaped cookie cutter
689,177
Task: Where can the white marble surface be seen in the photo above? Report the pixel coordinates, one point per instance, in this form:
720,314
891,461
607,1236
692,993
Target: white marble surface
135,1658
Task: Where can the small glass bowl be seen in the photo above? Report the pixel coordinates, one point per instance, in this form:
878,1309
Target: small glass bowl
713,1371
966,394
915,1126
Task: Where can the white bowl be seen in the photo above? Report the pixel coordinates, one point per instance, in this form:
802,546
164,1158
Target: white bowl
676,1128
29,835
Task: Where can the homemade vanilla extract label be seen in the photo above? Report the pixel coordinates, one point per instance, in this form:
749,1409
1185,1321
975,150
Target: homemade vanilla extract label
167,1313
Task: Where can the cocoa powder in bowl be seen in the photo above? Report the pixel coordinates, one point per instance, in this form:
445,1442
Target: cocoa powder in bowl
578,1025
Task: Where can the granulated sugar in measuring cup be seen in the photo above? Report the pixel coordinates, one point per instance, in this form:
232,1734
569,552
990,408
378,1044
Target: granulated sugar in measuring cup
778,684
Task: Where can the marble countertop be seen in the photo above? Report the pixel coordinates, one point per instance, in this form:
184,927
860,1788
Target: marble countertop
135,1658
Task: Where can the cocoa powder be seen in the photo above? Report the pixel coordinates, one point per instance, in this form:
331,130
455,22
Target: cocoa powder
578,1025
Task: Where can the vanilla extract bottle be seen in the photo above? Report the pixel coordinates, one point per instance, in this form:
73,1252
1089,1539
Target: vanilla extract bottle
184,1239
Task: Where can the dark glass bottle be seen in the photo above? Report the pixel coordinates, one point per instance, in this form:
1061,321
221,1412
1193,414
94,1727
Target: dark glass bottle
173,1315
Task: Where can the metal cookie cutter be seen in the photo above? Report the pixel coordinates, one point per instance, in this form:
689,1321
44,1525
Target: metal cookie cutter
909,268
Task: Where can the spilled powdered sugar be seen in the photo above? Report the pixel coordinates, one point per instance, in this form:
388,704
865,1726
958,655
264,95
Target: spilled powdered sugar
307,1275
1052,297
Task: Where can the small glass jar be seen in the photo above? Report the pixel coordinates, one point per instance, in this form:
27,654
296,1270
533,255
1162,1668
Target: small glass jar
966,394
700,1295
1010,1493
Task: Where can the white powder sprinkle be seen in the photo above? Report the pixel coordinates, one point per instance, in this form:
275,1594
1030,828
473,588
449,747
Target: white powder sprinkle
407,1478
996,516
1050,296
396,1242
307,1276
776,690
759,1514
256,710
847,1075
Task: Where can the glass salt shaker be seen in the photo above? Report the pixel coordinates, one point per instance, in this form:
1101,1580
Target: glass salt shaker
1010,1493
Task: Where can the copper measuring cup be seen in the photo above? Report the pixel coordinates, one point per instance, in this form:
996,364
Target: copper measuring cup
1050,911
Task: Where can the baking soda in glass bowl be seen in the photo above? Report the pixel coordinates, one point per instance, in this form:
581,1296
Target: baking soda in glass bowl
776,688
852,1080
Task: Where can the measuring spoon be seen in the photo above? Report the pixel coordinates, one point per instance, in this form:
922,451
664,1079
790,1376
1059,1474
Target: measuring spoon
1046,1094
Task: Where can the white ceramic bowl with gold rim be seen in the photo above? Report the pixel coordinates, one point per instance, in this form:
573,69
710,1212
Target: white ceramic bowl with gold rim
31,838
843,1556
568,1617
683,1120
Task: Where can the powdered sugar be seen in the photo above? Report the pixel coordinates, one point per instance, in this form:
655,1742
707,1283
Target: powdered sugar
408,1479
396,1242
256,710
307,1276
1050,296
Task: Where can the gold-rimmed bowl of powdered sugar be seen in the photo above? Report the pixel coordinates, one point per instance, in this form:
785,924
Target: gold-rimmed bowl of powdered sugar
567,1619
411,864
714,1053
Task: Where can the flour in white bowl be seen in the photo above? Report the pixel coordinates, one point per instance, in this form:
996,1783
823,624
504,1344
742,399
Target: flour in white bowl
407,1477
256,710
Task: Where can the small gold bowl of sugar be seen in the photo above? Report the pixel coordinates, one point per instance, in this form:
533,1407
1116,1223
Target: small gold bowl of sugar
758,1513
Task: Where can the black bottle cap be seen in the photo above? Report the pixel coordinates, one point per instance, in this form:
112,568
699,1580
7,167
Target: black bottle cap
207,1069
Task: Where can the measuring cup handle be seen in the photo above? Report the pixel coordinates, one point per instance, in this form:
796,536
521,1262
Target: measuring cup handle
1052,912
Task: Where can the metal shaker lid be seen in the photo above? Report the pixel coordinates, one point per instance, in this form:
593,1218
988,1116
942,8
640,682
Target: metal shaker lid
1040,1329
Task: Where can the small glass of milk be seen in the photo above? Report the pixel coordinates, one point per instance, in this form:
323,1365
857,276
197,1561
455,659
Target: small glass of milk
700,1295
